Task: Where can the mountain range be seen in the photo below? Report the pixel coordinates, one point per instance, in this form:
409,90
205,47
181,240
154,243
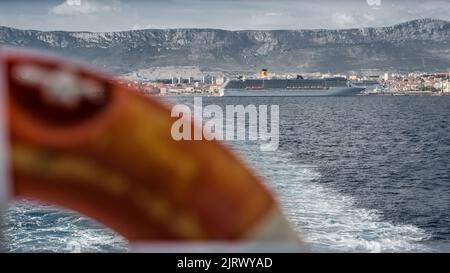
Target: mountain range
419,45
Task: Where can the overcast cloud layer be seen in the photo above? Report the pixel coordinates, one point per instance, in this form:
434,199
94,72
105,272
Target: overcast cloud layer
113,15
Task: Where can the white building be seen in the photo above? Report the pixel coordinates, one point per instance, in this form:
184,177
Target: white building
446,86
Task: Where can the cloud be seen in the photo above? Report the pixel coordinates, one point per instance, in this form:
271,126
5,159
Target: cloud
77,7
105,15
343,20
272,20
142,26
352,19
374,2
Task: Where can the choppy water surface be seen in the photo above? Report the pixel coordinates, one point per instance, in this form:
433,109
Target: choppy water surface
352,174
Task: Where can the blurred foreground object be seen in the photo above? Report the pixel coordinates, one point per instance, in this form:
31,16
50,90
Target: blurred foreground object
80,140
4,189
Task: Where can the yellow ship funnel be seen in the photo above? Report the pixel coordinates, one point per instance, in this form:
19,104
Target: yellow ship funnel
263,73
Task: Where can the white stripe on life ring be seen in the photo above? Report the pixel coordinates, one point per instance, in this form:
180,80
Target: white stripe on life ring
219,247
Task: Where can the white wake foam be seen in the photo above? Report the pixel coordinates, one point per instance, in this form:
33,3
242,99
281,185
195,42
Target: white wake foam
326,219
33,227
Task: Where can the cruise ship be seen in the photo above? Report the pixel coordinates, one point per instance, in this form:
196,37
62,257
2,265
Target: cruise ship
265,86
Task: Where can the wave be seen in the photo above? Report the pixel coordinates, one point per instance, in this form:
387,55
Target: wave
35,227
328,221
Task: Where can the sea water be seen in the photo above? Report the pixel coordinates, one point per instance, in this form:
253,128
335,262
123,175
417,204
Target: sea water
352,174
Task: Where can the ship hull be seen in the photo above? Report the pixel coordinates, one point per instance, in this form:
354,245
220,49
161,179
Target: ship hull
332,91
290,87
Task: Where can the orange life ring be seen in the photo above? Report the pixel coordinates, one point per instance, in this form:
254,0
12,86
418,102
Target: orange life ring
110,156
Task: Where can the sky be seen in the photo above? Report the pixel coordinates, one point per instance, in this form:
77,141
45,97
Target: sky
116,15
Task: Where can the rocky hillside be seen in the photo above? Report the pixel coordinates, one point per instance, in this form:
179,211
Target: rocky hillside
416,45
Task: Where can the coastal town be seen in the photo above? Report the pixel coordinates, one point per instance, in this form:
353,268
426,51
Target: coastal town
177,86
416,83
194,82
